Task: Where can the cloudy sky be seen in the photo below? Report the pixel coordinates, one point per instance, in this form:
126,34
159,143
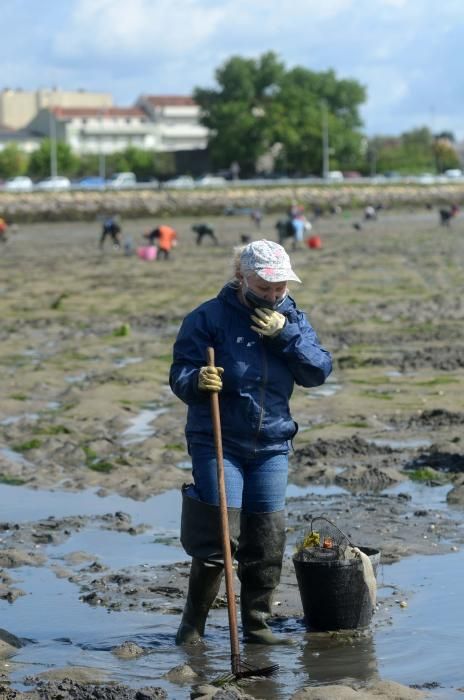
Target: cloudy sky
408,53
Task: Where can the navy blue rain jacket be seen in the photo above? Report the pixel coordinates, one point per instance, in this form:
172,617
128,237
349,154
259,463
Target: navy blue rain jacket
259,373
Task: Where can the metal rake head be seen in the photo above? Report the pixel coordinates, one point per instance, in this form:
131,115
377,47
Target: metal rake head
243,670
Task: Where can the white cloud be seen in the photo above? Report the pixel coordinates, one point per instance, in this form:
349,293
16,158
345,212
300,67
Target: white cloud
406,52
112,27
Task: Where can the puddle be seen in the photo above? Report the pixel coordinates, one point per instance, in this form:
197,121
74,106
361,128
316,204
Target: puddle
186,464
124,361
314,490
410,444
421,494
420,645
330,388
161,511
141,426
11,420
15,457
74,379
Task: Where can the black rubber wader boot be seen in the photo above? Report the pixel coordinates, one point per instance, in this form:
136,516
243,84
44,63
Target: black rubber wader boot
259,556
200,535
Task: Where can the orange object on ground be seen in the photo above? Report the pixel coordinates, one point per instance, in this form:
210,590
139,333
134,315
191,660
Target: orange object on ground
314,242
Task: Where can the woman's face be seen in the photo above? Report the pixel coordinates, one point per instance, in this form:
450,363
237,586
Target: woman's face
272,292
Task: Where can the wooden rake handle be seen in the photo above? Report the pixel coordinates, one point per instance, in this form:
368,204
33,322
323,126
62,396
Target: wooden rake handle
225,536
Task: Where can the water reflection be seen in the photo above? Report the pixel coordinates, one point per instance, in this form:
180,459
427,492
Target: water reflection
333,658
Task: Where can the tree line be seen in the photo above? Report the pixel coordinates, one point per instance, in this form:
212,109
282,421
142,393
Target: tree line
267,119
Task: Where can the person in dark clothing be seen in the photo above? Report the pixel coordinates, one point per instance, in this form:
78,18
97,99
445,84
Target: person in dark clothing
263,345
112,229
203,230
446,215
285,229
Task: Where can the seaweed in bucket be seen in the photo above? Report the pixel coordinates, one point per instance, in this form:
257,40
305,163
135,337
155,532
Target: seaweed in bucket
328,565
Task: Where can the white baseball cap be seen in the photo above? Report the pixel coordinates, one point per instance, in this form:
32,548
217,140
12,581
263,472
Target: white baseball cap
268,260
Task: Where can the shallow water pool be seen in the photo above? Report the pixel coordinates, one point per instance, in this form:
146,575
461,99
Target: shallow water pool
421,645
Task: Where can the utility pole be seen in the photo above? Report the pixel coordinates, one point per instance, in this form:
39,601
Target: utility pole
102,164
52,135
373,159
325,141
101,154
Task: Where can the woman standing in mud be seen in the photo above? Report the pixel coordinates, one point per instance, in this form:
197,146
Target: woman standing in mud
263,344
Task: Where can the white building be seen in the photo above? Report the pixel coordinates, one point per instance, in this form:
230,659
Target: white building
96,131
22,138
176,119
155,123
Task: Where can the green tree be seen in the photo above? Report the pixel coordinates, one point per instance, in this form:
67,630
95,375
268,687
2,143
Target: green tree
239,113
39,164
145,164
13,161
446,157
258,104
412,153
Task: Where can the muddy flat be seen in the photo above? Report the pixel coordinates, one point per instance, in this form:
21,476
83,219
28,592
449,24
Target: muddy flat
86,409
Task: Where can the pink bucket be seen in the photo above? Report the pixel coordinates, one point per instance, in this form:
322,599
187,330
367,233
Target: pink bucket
147,252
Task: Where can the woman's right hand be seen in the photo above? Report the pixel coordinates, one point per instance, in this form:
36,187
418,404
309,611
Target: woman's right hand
209,378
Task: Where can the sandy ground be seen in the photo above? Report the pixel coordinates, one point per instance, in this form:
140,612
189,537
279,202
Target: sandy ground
85,350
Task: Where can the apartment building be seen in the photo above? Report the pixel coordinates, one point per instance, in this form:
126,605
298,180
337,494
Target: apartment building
19,107
176,119
155,123
96,131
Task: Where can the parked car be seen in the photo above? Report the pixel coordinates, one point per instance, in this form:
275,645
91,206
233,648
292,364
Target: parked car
121,181
58,182
20,183
92,182
426,179
335,176
453,173
211,181
181,182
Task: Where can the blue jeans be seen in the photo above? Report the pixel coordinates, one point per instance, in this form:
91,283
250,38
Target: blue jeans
256,484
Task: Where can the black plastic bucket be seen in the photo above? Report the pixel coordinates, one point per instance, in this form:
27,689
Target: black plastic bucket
333,593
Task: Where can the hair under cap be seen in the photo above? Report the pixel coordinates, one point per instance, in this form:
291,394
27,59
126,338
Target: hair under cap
268,260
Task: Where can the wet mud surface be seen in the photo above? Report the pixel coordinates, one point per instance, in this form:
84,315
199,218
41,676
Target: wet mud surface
85,352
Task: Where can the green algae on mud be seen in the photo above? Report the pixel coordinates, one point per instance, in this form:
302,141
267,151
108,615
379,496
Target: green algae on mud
386,301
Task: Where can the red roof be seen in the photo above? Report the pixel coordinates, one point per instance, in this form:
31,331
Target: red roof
170,100
69,112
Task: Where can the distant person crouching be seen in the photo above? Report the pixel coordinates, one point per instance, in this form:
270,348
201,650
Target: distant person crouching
165,237
112,229
203,230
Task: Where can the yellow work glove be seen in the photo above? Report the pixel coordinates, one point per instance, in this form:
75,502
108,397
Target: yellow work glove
209,378
268,322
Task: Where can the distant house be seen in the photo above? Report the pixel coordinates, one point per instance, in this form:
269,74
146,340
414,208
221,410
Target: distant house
96,131
26,140
154,123
176,119
19,107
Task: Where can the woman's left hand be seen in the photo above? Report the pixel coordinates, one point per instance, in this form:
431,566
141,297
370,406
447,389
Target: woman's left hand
268,322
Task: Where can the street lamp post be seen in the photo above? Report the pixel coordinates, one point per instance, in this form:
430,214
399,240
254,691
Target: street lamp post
101,151
325,141
52,135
